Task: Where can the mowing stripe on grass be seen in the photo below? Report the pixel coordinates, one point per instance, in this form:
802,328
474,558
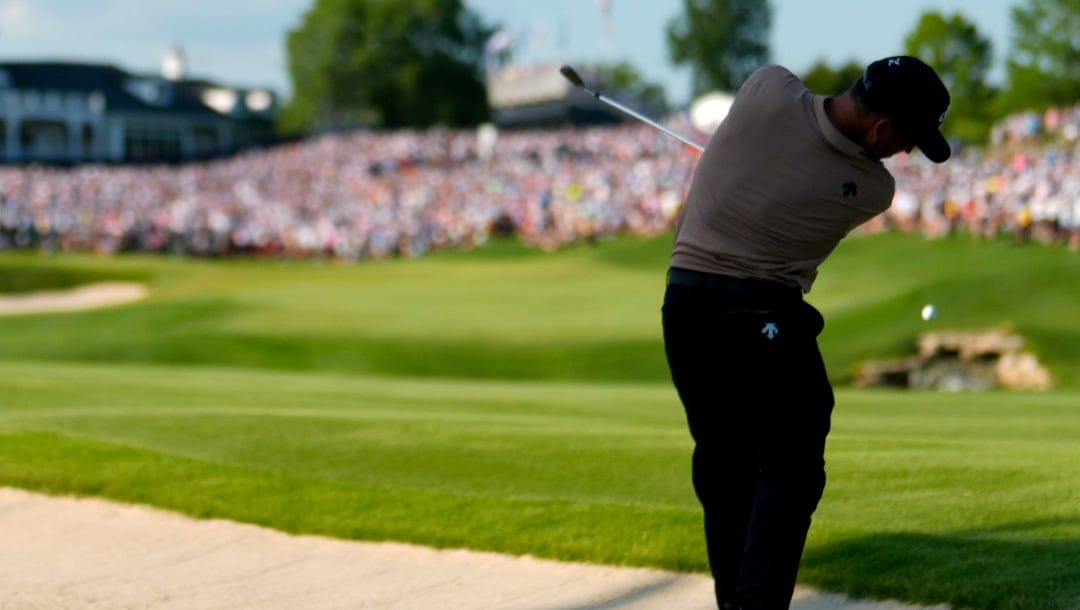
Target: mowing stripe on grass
959,484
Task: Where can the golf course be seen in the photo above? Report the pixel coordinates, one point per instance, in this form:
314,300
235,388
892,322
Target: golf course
513,400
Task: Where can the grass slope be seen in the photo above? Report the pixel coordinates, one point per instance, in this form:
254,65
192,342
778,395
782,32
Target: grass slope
505,312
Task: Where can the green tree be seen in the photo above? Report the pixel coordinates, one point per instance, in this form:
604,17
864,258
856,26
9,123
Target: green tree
827,80
723,41
386,63
1044,59
962,57
622,79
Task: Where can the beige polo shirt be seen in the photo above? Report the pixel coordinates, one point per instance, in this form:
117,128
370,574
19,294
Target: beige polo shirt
777,187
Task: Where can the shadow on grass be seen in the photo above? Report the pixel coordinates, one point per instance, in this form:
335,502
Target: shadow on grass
1008,567
635,596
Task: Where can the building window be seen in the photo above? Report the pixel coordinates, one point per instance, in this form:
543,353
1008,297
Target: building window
87,141
152,91
96,100
149,144
44,140
206,141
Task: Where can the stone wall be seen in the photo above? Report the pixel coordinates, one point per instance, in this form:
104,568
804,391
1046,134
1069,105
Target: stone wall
961,360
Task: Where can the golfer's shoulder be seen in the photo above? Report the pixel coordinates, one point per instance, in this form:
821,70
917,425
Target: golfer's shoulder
769,80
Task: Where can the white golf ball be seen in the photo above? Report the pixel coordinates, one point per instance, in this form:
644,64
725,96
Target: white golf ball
929,312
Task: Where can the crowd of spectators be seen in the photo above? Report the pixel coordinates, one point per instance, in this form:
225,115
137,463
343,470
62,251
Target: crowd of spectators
359,195
372,195
1025,185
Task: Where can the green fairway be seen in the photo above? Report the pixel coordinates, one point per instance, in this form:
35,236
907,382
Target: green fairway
505,312
967,499
516,401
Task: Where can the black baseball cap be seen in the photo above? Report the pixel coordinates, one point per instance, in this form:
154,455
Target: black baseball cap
911,94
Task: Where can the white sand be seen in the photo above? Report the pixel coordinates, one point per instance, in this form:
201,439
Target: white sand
90,296
61,552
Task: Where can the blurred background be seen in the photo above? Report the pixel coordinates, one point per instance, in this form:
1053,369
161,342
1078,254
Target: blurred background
298,100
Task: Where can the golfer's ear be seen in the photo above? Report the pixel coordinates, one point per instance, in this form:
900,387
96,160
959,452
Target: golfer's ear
880,127
891,126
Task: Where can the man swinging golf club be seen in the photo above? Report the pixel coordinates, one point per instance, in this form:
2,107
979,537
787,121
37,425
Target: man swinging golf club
782,180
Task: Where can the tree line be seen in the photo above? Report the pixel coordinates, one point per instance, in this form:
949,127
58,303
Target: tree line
421,63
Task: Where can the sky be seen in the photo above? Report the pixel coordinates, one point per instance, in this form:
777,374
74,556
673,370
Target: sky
242,42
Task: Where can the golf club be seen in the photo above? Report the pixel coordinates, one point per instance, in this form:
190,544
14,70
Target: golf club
571,75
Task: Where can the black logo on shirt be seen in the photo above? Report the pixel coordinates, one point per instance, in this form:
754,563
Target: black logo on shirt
851,189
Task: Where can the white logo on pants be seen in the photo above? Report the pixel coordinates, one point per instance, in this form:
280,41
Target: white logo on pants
770,330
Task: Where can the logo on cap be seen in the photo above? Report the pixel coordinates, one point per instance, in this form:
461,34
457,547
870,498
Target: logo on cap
941,119
895,61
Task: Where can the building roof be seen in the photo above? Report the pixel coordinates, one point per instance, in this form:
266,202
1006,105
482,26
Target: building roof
124,91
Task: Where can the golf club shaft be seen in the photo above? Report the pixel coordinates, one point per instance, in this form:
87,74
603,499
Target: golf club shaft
572,76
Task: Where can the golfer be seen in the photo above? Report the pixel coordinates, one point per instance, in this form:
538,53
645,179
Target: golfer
785,177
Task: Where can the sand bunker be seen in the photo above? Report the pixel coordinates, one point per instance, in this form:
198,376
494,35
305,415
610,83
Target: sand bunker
62,552
90,296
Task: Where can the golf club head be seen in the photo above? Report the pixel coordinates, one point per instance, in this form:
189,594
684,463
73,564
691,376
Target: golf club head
571,75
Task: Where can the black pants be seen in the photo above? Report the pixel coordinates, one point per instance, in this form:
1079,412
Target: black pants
747,368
